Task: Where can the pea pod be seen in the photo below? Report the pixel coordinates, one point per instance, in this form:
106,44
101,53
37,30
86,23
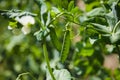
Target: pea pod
65,46
54,39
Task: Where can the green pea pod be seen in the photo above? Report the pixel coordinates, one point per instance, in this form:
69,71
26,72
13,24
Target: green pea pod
65,46
54,39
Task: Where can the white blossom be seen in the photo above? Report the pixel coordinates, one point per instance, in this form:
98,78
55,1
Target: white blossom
25,20
10,28
26,30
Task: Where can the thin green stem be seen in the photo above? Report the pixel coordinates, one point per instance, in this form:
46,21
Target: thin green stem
102,4
42,26
58,15
27,73
54,19
76,23
116,26
47,60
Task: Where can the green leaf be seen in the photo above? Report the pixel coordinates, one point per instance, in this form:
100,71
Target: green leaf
65,46
101,28
62,74
112,1
64,3
87,50
92,32
114,37
10,14
92,4
48,19
71,6
116,28
116,33
110,19
55,10
92,40
43,9
13,24
75,10
40,34
54,39
96,12
114,11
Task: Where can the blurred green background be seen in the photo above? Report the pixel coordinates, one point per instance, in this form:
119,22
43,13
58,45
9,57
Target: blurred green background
19,53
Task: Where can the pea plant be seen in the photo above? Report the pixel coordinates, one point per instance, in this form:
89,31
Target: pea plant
84,34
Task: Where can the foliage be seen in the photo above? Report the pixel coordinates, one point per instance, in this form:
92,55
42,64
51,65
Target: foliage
66,40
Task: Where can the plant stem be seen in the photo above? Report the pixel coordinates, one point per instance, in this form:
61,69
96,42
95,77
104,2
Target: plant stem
22,74
58,15
116,26
47,60
41,25
54,19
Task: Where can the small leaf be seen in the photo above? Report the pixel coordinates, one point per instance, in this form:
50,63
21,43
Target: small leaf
114,38
75,10
48,19
110,2
87,50
13,24
71,6
54,39
55,10
10,14
92,41
110,19
114,11
66,46
61,74
96,12
40,34
101,28
43,9
116,28
64,3
92,32
115,33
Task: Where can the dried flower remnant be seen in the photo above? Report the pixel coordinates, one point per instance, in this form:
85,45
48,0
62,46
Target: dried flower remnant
81,4
111,61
